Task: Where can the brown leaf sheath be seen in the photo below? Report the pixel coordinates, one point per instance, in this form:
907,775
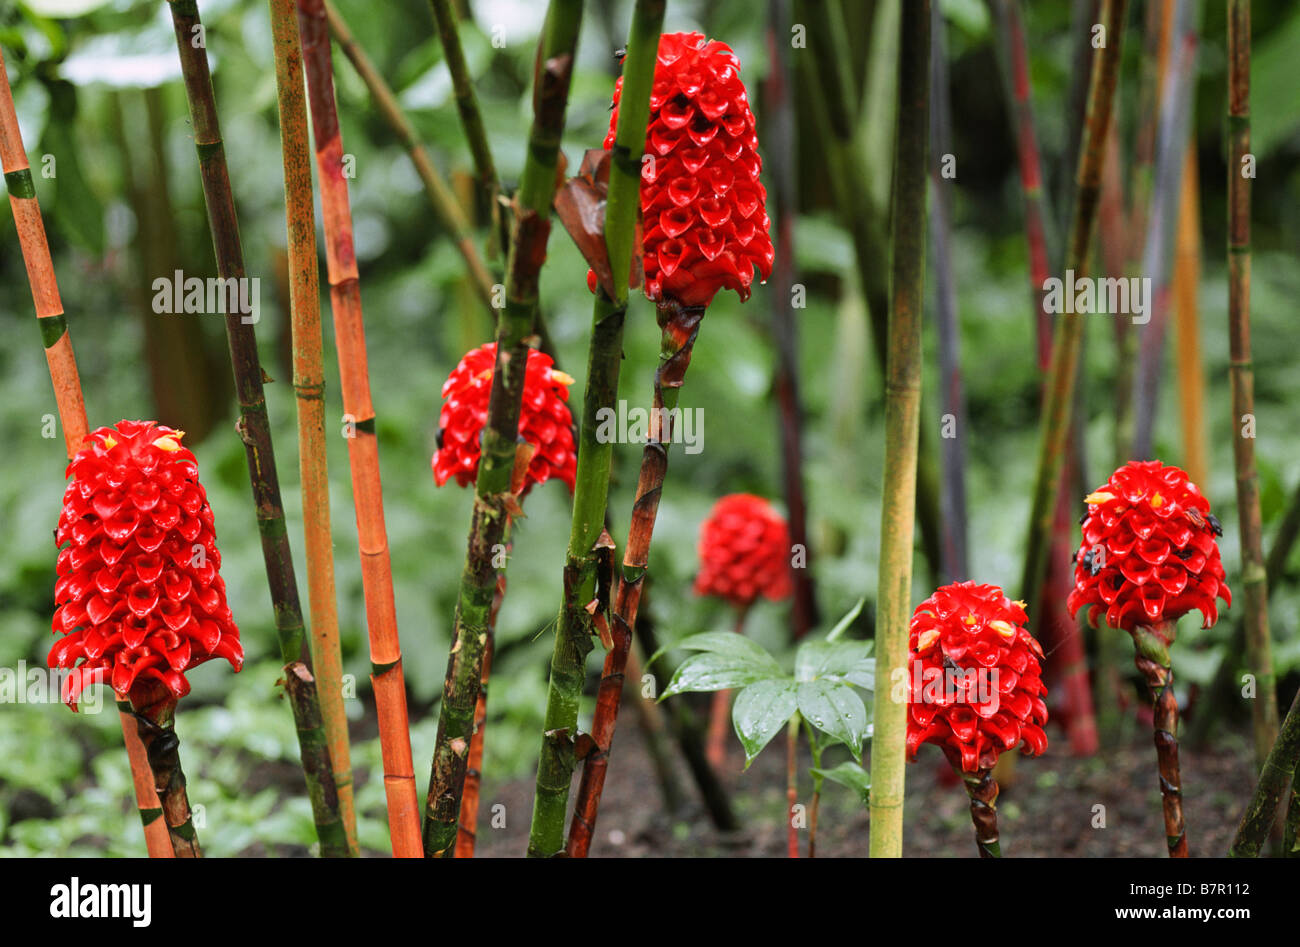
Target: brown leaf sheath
983,791
254,429
363,448
1152,660
67,391
154,709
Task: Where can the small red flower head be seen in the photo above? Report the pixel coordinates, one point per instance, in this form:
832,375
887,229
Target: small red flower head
138,593
1149,554
974,686
704,226
544,419
744,552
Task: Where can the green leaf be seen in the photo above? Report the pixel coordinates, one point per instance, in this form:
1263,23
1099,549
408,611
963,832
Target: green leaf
836,710
725,642
863,674
852,775
842,625
716,672
816,659
760,711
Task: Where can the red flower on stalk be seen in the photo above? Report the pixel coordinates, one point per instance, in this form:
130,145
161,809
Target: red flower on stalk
545,421
1149,553
744,552
138,593
974,685
704,222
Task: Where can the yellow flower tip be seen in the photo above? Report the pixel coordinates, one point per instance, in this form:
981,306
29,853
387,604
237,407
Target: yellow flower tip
564,378
1100,496
969,619
1157,501
1019,603
169,442
109,442
926,641
1003,628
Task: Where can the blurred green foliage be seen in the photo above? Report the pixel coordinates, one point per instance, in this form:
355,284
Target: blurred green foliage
82,72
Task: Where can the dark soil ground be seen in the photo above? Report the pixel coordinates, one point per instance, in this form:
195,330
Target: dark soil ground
1053,808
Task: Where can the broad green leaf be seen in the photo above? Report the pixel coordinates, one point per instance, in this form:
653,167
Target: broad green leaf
725,642
716,672
836,710
760,711
816,659
863,674
849,774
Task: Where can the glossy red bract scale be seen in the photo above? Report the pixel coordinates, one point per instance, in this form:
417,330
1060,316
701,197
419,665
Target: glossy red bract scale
973,717
545,420
1149,553
704,222
744,552
139,593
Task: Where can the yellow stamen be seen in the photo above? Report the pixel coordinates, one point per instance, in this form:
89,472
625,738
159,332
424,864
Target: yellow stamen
1020,603
926,640
169,442
109,442
1157,501
1100,496
969,619
562,377
1004,628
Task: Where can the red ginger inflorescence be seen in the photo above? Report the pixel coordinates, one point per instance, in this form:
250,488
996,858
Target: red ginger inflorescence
974,684
704,223
545,421
744,552
138,593
1149,553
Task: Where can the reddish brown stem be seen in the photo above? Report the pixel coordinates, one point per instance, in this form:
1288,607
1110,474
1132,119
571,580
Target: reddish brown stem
720,713
154,708
1152,660
983,791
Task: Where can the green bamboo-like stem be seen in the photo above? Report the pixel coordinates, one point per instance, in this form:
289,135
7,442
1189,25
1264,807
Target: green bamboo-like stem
573,636
441,197
255,431
680,327
386,676
1151,655
471,119
851,183
1291,831
1284,540
815,749
1279,767
1241,375
492,497
982,789
467,831
309,385
154,708
902,423
62,363
1058,407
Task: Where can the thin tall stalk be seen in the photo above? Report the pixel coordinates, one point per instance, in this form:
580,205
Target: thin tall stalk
851,182
1279,767
952,399
902,423
791,786
154,708
1241,374
467,831
982,789
68,398
363,449
1151,655
575,627
1186,285
255,430
492,497
441,196
309,385
1059,403
779,148
720,711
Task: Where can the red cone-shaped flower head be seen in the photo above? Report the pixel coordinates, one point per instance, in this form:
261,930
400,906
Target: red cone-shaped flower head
704,224
1149,553
744,551
974,685
138,593
544,420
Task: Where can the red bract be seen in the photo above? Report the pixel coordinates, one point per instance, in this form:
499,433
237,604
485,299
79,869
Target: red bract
974,686
702,206
138,593
544,419
1149,554
744,551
